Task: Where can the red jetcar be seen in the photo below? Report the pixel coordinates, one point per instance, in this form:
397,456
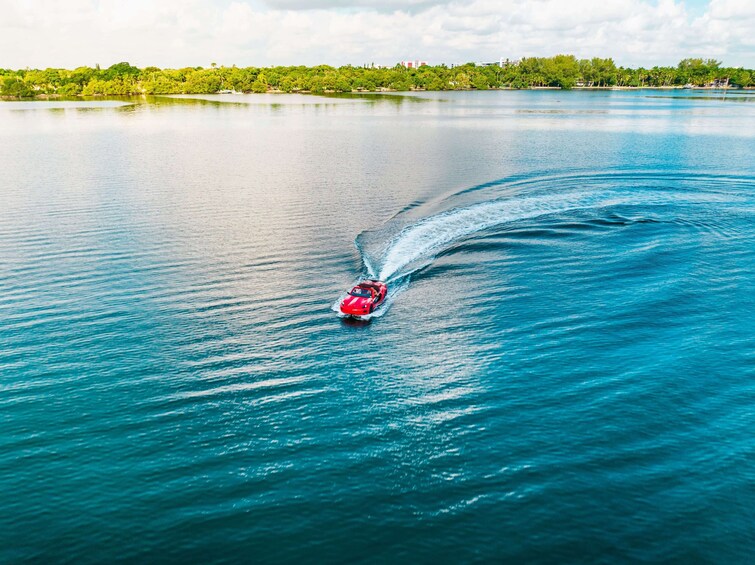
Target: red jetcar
364,298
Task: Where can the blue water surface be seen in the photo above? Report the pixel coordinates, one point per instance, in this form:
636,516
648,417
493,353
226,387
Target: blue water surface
564,371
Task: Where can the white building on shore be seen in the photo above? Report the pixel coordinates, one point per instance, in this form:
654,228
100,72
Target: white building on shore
413,64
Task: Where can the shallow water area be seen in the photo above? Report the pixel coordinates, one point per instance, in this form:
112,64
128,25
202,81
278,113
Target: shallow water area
563,369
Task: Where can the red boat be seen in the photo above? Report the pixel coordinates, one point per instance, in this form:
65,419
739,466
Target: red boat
364,298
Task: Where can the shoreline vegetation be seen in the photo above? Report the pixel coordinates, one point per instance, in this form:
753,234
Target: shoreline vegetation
558,72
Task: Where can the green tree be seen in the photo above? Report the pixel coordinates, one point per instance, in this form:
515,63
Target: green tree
119,70
259,86
14,86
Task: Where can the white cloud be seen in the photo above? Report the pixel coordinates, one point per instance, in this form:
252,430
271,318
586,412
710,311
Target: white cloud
41,33
374,5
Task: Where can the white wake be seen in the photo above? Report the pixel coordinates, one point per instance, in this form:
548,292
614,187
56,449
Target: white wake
394,252
418,244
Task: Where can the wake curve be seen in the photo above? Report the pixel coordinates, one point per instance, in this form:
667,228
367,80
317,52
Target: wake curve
422,241
399,249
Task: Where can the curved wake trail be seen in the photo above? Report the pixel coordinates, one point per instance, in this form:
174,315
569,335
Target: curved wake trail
393,253
417,245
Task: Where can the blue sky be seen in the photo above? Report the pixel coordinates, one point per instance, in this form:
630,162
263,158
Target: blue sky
697,7
175,33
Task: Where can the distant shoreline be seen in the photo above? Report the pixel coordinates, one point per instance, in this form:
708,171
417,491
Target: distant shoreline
44,96
560,72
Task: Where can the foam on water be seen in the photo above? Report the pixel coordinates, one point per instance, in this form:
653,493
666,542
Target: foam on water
418,244
406,248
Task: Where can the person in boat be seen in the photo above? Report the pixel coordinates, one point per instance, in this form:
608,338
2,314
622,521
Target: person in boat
362,292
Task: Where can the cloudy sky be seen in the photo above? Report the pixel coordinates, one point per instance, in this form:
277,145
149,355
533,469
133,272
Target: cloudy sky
175,33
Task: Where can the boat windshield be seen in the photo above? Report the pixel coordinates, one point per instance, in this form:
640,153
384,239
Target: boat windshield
363,292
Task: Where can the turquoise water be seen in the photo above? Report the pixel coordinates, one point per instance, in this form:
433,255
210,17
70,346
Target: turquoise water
565,370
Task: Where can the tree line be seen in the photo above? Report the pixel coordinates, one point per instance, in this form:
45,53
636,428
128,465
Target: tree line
561,71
